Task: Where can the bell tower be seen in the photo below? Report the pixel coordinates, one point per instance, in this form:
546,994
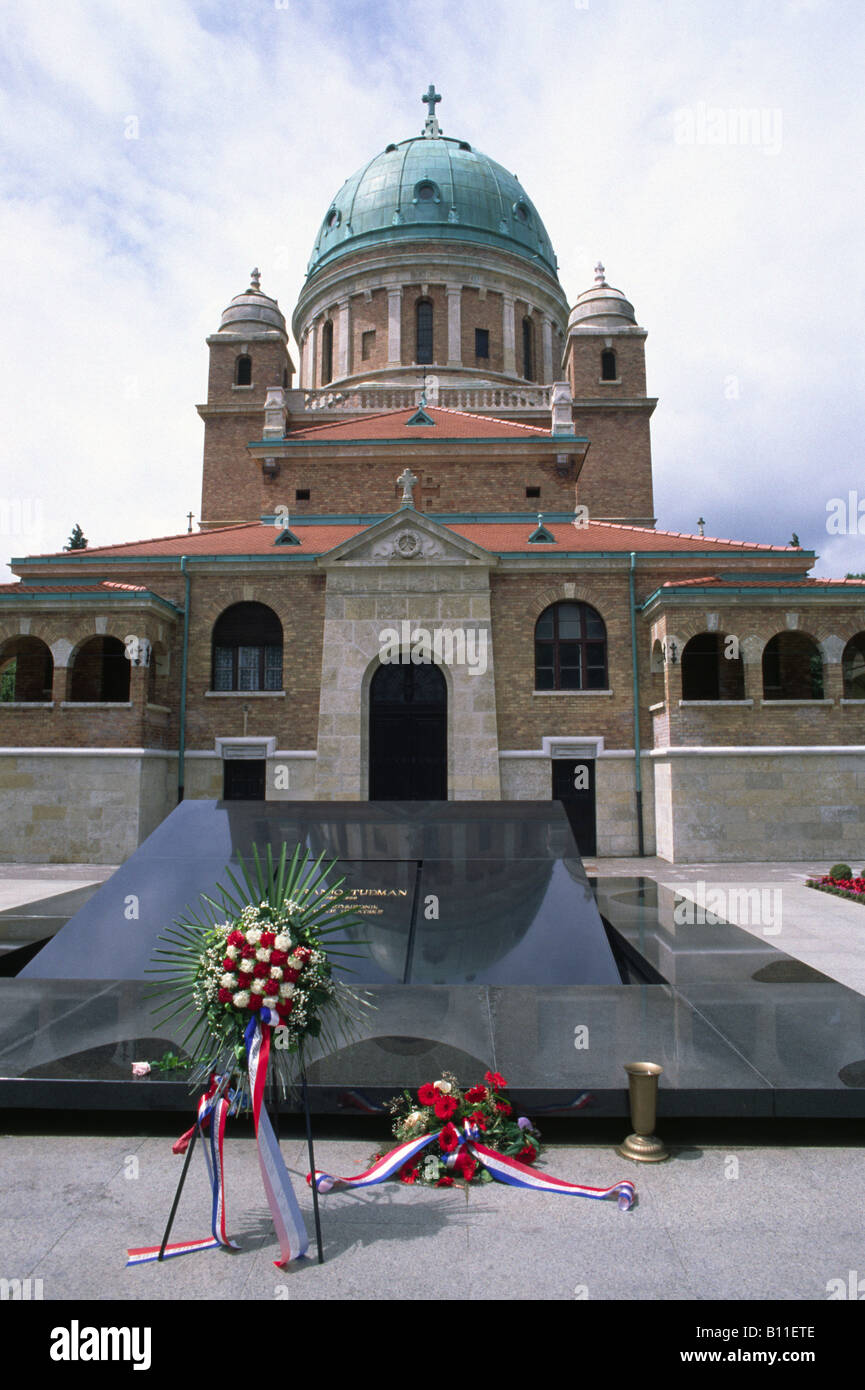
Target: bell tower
605,366
248,358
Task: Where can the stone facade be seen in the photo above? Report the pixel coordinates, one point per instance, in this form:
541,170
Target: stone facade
305,513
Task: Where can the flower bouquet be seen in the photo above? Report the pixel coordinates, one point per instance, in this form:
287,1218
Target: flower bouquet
443,1108
258,953
249,969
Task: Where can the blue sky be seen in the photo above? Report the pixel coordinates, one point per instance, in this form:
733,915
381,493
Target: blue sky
154,153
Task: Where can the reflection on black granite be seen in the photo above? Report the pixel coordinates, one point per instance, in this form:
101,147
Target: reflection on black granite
486,911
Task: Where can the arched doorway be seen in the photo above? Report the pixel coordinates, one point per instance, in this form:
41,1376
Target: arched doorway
408,734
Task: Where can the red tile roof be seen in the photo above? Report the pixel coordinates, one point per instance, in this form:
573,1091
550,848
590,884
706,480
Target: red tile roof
97,587
394,424
717,582
259,538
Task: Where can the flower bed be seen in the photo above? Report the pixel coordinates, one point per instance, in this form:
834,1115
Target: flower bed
852,888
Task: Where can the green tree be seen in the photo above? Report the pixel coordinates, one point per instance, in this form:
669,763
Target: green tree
78,540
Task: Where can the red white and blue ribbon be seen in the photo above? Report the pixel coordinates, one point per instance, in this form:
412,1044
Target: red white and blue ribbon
287,1219
502,1168
213,1110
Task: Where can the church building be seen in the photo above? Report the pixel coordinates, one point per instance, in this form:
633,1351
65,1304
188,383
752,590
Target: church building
428,567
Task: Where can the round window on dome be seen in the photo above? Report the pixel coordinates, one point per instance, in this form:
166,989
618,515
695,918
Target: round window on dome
522,214
427,192
333,219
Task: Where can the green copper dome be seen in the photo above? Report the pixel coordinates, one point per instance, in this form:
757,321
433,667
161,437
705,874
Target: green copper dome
436,188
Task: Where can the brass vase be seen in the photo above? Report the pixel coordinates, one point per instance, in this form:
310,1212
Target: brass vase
643,1146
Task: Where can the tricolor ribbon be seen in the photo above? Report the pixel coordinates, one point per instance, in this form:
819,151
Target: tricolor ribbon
502,1168
213,1110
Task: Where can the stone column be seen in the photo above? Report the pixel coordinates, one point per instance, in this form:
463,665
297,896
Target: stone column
394,327
454,293
508,346
547,349
343,339
313,375
306,360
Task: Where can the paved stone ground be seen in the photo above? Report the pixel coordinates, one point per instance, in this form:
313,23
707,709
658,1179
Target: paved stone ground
727,1221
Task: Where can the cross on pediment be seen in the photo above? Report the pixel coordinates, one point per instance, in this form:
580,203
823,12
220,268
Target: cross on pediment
407,481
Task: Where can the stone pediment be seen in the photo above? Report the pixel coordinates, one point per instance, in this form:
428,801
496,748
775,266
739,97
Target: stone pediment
408,538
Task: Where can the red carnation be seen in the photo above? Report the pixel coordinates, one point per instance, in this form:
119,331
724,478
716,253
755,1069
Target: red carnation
302,954
527,1154
247,952
427,1095
476,1093
271,987
445,1106
255,1002
503,1107
261,971
225,996
236,938
448,1139
229,964
477,1118
278,957
268,938
465,1165
446,1181
496,1080
285,1008
290,976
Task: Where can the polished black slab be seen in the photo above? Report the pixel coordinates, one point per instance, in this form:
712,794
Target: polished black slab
448,894
488,943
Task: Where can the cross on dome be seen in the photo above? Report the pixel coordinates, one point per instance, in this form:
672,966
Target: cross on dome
599,274
432,129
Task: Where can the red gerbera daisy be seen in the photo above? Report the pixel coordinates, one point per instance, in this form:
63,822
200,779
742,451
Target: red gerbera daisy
427,1095
445,1106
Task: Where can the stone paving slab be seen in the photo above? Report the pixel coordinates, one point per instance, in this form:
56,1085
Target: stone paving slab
788,1223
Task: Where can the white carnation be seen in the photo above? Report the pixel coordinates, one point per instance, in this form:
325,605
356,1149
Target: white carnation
227,980
253,935
257,986
283,942
263,953
286,991
276,972
241,999
231,952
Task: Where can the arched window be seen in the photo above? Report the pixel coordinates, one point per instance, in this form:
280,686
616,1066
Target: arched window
528,349
608,365
570,648
792,668
26,671
243,371
100,672
853,667
247,648
708,672
327,352
424,352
